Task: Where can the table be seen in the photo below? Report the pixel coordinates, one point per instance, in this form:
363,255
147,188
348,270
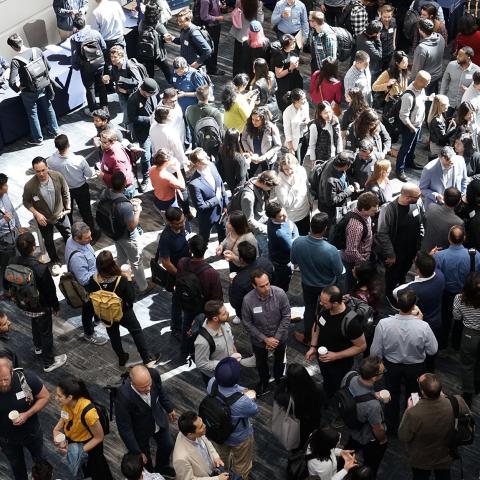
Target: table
13,119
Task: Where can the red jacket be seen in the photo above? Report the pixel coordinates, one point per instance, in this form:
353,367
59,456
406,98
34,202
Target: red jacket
116,159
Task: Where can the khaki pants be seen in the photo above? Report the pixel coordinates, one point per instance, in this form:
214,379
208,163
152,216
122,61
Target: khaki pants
238,458
64,34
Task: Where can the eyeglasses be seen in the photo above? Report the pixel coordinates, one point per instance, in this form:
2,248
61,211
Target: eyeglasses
379,374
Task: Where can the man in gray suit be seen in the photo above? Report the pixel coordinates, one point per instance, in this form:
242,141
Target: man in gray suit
448,170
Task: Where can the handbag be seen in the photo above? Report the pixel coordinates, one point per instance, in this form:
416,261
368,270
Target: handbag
237,18
285,427
161,276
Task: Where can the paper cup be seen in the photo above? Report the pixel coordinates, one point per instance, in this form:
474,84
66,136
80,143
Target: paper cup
60,440
125,268
322,350
385,396
251,394
288,10
237,356
13,415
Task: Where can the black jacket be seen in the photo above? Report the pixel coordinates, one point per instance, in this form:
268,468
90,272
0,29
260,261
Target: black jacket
139,111
135,419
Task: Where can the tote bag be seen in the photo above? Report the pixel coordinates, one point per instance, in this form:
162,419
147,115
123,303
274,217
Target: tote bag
285,427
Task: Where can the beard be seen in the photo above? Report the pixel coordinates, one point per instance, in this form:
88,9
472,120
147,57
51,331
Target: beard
5,388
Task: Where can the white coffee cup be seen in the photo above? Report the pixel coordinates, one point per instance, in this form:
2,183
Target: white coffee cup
251,394
293,59
288,10
60,440
232,275
13,415
322,350
125,268
237,356
385,396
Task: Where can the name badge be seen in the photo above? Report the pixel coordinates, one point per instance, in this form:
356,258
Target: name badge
322,321
174,79
472,214
468,76
295,21
64,415
372,167
390,30
36,199
20,395
415,212
185,42
257,309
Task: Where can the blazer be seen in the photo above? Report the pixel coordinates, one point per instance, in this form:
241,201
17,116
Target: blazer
32,197
431,180
271,143
208,205
135,419
188,461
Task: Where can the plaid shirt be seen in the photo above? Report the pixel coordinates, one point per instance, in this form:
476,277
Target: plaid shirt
357,249
323,44
358,18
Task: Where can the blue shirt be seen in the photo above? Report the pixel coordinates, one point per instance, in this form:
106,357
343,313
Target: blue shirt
173,245
297,20
82,264
454,262
280,238
76,40
319,261
188,83
7,229
243,409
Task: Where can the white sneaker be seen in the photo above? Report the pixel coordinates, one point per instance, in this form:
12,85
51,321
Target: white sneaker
37,351
59,360
236,320
56,269
96,339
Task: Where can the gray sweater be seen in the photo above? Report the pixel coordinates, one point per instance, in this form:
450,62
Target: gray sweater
253,206
454,78
428,56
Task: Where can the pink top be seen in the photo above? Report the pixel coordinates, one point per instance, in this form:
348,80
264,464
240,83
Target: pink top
330,91
116,159
165,183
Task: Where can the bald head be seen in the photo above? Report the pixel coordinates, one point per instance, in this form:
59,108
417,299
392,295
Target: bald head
409,194
5,375
422,80
456,235
141,379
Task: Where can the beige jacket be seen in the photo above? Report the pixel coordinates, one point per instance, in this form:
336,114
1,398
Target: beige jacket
188,461
381,85
33,198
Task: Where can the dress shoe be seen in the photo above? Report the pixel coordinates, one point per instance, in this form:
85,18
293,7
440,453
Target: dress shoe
261,389
402,177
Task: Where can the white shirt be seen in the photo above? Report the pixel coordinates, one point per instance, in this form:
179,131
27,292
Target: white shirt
472,95
164,135
147,398
109,20
295,123
294,196
326,470
73,167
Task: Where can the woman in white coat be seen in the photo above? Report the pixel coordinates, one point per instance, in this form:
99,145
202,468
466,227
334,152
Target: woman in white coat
296,118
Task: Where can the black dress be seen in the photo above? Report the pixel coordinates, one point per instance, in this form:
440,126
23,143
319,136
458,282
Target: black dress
281,59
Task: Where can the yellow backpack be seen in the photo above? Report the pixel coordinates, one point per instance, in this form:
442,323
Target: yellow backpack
107,305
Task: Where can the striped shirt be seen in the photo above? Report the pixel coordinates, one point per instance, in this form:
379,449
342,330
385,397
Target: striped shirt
323,44
357,249
469,315
358,18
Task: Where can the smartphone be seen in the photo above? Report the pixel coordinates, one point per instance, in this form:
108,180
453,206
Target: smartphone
415,398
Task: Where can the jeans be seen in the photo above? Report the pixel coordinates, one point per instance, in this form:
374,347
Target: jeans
122,100
63,226
146,157
310,299
164,449
129,251
261,356
421,474
43,337
211,63
406,154
470,360
15,455
92,81
33,100
87,319
81,195
76,458
130,322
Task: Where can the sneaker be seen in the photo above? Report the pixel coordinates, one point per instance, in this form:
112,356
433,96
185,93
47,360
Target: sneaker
236,320
153,361
56,269
144,183
36,143
149,288
261,389
59,361
96,339
37,351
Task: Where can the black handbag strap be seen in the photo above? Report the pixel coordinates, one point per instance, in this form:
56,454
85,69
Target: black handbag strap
9,227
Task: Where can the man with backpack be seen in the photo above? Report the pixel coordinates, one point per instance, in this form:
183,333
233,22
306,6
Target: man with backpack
143,411
362,412
30,285
428,429
196,45
205,122
88,49
403,341
65,11
196,282
29,75
339,331
237,449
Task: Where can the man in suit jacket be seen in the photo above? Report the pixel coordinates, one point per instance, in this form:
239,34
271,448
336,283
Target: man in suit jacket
142,408
194,456
208,195
448,170
47,196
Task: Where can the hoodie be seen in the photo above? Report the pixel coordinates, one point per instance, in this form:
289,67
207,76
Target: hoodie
428,56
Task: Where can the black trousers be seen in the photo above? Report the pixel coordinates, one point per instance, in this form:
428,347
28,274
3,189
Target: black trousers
333,373
43,337
63,226
205,226
373,453
332,15
310,299
130,322
164,67
399,374
92,81
211,63
396,273
261,356
97,467
281,276
447,316
81,195
440,474
87,319
164,449
303,225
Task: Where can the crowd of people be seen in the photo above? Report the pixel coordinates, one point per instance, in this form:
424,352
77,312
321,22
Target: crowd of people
287,180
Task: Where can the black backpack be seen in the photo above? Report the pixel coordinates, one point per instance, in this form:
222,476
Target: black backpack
102,414
237,195
346,16
338,234
314,177
411,19
138,69
217,415
188,288
22,286
36,71
347,403
208,134
345,43
107,218
148,45
297,464
205,35
391,110
91,54
198,329
463,429
360,310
